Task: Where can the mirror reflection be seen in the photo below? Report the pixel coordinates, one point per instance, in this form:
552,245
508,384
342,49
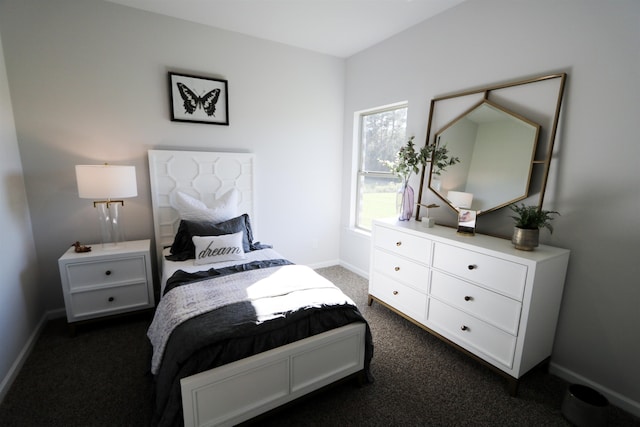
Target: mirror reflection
496,149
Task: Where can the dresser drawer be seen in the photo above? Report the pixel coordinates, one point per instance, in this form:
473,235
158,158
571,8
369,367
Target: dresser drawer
505,277
489,306
114,299
404,244
401,297
401,269
106,272
472,333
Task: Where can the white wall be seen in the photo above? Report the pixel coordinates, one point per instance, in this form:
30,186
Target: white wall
483,42
20,307
89,85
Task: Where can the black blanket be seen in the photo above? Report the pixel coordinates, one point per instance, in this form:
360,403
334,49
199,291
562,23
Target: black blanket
231,333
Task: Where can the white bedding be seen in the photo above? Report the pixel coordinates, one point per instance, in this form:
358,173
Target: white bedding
170,267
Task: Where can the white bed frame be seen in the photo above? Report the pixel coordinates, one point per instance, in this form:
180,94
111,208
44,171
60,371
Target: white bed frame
238,391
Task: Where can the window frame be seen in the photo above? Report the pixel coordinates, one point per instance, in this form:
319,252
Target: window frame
360,173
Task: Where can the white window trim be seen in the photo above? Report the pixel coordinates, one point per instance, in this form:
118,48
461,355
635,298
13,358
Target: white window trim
356,159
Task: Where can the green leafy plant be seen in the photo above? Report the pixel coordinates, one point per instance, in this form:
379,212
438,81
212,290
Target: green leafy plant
531,217
408,160
440,158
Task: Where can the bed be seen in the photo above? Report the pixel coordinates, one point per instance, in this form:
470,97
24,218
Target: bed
239,329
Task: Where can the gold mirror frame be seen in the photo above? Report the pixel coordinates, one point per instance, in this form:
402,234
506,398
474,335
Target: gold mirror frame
521,98
496,148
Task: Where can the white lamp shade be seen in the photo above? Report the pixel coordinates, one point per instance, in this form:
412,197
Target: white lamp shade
106,181
460,199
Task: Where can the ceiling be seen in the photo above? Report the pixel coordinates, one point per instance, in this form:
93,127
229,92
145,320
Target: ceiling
336,27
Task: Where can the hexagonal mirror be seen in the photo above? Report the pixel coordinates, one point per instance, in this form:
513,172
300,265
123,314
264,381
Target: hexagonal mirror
496,149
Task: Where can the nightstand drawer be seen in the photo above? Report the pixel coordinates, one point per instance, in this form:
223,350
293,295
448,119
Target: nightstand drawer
496,309
404,244
472,333
109,300
401,297
402,269
505,277
106,272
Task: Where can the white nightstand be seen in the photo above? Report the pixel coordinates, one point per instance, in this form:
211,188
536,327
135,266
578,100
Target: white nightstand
106,281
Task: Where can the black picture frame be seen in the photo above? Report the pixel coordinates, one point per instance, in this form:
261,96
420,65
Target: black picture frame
198,99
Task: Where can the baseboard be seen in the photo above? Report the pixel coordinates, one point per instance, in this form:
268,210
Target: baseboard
55,314
323,264
349,267
614,397
22,357
354,269
8,380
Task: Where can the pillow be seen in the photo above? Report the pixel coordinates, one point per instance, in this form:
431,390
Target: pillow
183,248
210,249
192,209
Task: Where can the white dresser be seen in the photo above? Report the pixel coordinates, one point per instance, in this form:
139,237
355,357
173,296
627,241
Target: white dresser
479,293
106,281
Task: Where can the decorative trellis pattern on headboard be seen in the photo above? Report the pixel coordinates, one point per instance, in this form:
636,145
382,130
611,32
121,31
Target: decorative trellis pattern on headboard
204,175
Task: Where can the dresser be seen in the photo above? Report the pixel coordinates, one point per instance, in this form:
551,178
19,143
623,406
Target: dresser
498,304
107,280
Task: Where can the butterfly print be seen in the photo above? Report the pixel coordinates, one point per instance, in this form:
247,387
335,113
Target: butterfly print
192,101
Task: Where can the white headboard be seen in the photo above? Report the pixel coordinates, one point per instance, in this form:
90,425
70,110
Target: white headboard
204,175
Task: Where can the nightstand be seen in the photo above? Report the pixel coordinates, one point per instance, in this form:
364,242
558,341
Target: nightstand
107,280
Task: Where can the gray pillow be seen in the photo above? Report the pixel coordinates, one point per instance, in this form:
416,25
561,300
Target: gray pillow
183,247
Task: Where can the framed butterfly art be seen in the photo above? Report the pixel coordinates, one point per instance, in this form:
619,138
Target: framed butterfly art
198,99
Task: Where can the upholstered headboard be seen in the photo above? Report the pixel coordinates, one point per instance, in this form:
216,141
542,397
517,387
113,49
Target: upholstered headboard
204,175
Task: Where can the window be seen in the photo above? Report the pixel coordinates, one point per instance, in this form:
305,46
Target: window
382,132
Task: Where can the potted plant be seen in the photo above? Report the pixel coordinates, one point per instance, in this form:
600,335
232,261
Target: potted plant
529,221
408,162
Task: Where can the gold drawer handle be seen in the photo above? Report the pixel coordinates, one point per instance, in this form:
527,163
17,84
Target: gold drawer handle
397,268
398,243
395,292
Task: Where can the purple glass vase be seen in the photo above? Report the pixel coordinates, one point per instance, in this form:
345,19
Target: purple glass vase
406,203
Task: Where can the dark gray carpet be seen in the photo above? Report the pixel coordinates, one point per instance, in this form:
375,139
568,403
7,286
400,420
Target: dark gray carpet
100,378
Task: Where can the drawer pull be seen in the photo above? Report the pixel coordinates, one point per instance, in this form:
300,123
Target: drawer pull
397,269
468,298
464,328
395,292
398,243
472,266
111,299
108,272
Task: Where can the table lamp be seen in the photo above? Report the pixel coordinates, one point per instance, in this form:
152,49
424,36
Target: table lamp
460,199
107,185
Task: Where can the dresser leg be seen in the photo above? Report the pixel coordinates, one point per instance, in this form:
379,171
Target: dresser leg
369,301
512,386
72,329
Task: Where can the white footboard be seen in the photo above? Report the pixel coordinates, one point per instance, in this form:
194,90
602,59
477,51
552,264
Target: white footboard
244,389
